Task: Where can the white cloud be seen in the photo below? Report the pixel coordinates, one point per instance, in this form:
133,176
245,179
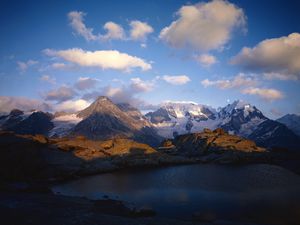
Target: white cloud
59,66
105,59
279,58
246,85
8,103
238,81
204,26
47,78
114,31
125,93
85,83
72,105
139,85
60,94
279,76
206,60
77,23
23,66
139,30
264,93
176,80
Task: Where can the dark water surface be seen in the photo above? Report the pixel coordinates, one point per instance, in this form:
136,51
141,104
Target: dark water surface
258,193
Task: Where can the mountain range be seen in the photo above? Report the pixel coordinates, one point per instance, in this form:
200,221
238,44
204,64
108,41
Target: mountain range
105,120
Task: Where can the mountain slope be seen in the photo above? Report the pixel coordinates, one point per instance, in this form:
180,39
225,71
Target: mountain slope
273,134
292,121
105,120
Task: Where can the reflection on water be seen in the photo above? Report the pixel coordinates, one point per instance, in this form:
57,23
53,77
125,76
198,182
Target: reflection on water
258,193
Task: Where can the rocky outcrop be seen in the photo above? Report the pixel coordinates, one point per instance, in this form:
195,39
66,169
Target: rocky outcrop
35,157
209,145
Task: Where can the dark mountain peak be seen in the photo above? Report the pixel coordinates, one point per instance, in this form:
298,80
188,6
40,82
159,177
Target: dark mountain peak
36,123
292,121
273,134
16,112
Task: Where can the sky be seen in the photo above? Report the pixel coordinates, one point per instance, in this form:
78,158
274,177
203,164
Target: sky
60,55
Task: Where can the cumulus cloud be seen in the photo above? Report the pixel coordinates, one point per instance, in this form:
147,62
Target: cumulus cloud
60,94
246,85
85,83
47,78
72,105
238,81
176,80
125,93
77,23
139,30
114,31
59,66
278,58
138,85
206,60
204,26
8,103
264,93
105,59
23,66
279,76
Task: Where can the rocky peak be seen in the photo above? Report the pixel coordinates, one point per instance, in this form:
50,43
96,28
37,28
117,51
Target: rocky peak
101,105
240,109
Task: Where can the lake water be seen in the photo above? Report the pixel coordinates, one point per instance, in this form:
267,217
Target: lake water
257,193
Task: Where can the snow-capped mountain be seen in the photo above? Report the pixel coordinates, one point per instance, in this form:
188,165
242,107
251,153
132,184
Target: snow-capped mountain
179,118
292,121
240,118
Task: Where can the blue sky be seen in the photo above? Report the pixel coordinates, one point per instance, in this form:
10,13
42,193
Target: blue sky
59,52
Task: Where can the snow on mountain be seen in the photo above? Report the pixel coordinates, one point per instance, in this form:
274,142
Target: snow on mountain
181,117
240,118
171,118
64,124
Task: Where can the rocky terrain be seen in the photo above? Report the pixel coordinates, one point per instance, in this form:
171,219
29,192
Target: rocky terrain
35,157
215,146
